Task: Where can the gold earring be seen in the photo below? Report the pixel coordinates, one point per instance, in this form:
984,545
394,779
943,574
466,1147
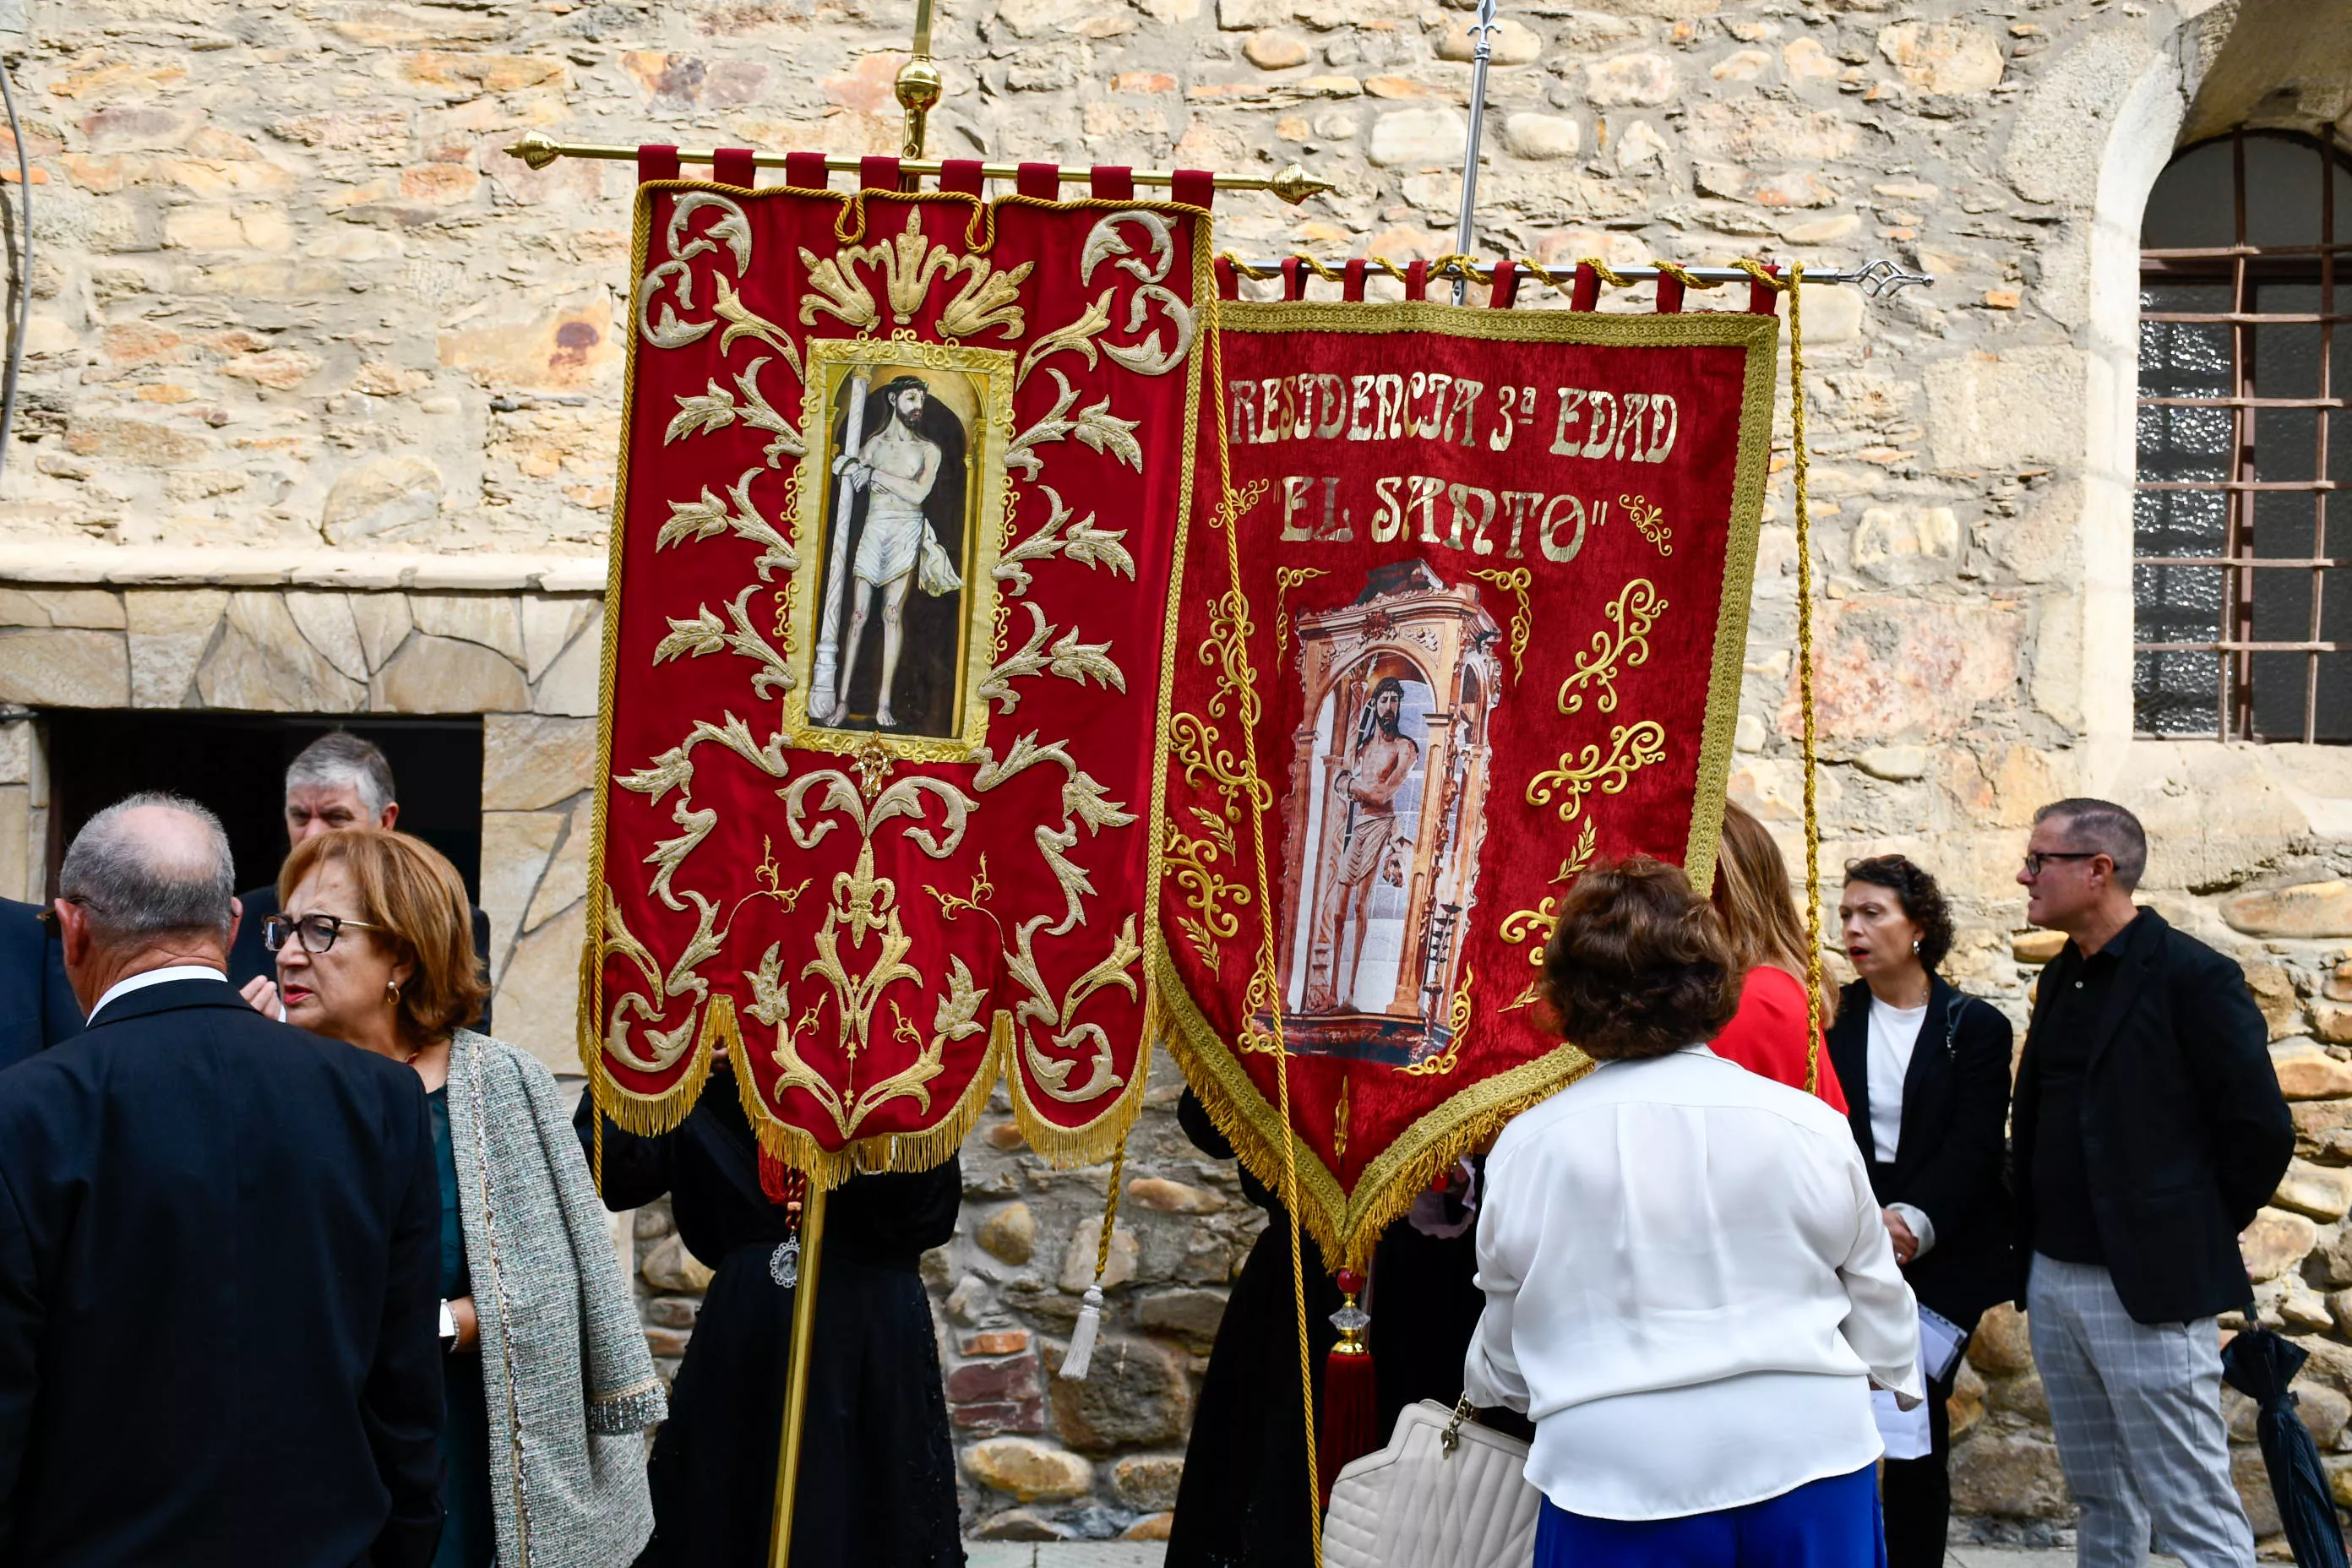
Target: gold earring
391,992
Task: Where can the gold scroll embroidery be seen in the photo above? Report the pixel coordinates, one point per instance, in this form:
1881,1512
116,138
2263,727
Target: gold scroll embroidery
1632,747
1636,609
1516,583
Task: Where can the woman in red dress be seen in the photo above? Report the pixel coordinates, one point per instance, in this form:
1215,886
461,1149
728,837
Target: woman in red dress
1768,1033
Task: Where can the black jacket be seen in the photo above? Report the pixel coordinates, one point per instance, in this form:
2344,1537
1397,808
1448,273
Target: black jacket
248,960
36,1006
2185,1135
1948,1160
219,1259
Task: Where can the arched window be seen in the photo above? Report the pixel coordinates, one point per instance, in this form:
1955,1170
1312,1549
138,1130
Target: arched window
2241,571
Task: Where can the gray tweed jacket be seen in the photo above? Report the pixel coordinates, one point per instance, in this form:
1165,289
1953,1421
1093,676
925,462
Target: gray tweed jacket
570,1385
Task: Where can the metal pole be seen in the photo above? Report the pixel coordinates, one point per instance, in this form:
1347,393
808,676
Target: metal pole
1292,183
788,1449
918,84
1465,228
1876,278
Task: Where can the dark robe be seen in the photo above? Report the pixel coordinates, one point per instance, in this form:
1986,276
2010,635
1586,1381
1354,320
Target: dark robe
878,1480
1243,1501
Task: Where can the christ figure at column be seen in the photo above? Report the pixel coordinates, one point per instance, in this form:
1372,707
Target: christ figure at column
1381,761
897,548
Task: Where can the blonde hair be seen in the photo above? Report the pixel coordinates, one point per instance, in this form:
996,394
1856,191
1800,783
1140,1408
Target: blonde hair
410,889
1758,910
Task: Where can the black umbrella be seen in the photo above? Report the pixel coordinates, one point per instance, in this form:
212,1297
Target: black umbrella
2260,1364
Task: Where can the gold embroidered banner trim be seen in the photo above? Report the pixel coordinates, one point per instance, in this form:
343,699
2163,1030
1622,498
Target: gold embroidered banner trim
985,306
1348,1229
1760,335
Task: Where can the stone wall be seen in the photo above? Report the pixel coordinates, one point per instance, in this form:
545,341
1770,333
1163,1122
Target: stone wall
322,394
527,662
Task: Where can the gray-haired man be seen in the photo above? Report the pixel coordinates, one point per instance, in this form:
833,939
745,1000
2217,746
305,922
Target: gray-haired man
338,781
219,1250
2148,1130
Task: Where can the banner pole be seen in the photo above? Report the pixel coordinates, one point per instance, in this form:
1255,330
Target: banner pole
918,84
788,1449
1465,228
825,704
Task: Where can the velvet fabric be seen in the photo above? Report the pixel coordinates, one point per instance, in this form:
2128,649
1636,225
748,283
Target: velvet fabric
1477,624
879,906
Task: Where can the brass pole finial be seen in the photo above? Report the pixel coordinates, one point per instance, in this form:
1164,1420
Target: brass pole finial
537,149
918,83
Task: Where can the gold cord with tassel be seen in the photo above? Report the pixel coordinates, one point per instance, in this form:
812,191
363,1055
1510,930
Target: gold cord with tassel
1265,971
1793,287
1080,1356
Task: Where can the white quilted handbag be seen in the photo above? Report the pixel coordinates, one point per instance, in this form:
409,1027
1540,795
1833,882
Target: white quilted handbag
1445,1493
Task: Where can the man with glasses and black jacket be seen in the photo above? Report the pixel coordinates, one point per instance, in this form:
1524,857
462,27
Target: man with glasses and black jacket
2148,1130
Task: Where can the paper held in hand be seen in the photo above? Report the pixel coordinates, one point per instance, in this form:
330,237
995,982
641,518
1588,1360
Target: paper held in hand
1904,1432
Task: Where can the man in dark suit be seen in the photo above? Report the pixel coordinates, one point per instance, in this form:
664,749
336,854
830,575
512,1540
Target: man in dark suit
36,1005
338,781
219,1251
2149,1130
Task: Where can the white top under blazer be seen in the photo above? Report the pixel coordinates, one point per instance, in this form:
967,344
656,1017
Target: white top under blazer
1689,1291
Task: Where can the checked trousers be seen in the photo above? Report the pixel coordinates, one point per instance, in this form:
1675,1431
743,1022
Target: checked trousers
2138,1409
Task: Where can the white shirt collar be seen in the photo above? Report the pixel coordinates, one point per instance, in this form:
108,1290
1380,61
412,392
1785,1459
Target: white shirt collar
163,976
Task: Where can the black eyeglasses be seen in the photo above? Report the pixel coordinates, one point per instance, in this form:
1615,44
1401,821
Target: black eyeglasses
2035,860
316,934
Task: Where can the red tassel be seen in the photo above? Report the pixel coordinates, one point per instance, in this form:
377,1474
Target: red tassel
1350,1396
777,1179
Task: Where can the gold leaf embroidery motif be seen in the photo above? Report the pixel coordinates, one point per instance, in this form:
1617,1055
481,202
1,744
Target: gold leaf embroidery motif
866,905
1054,1076
1147,358
1095,427
1077,337
1650,520
1105,242
1069,659
1193,863
1635,610
986,302
1537,924
716,409
1285,578
1514,582
1632,747
742,323
837,291
710,515
1083,543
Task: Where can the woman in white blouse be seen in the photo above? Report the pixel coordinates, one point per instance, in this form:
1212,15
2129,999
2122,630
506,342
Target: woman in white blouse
1925,1070
1689,1287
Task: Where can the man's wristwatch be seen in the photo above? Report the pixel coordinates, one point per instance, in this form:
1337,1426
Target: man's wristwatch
449,1328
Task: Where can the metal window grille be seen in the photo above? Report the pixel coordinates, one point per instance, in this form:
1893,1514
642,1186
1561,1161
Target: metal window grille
2242,594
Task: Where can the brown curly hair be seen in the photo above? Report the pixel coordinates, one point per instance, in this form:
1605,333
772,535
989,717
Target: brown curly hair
1921,900
410,888
1638,965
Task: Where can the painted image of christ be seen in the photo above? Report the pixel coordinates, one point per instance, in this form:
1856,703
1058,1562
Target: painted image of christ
1374,849
889,636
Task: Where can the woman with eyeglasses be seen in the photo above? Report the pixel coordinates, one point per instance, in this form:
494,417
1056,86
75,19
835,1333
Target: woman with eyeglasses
548,1384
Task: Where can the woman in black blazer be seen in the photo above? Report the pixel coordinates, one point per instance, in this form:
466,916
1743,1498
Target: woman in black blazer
1925,1071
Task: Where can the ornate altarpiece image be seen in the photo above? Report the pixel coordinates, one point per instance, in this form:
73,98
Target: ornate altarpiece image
1384,816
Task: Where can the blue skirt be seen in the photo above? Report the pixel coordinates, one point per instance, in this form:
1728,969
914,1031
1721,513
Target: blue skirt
1829,1523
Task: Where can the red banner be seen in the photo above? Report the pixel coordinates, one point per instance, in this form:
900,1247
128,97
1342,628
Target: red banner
1472,620
903,482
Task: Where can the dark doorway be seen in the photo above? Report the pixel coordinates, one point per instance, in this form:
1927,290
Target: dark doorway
235,764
